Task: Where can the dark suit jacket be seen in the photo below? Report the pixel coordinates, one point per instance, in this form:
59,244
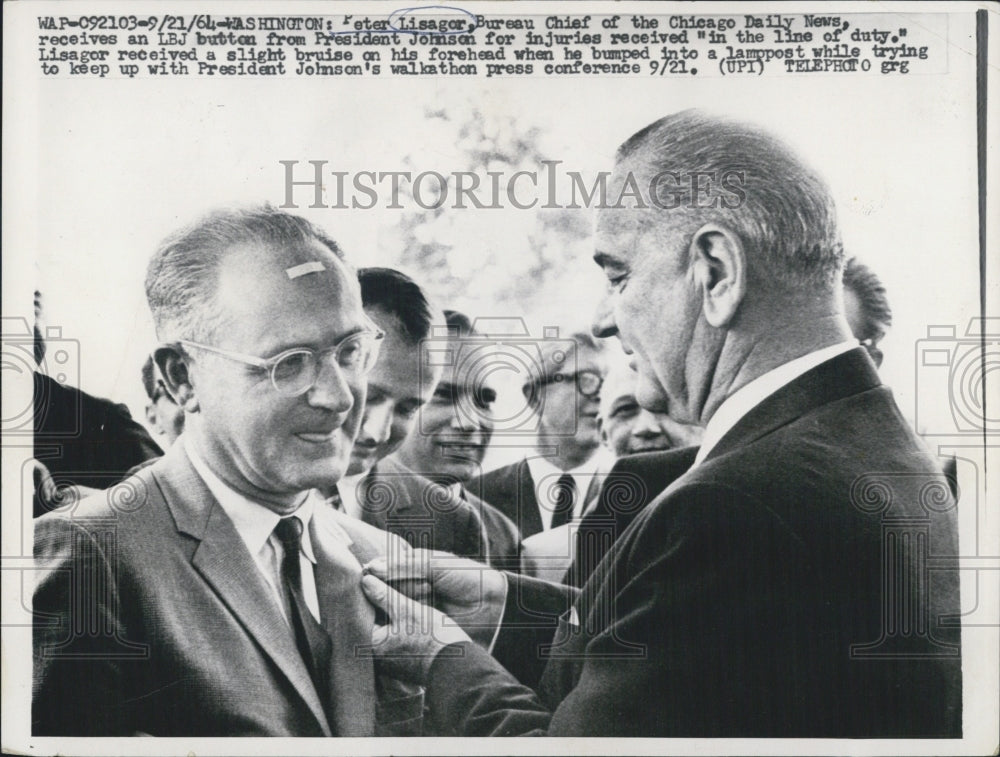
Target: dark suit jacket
152,617
402,502
502,535
85,440
511,490
633,482
782,588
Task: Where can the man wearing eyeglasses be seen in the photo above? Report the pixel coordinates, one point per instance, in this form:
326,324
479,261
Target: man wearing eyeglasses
553,484
213,593
378,489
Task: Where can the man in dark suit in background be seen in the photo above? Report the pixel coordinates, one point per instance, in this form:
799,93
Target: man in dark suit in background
379,490
213,593
652,450
555,483
81,442
454,430
750,598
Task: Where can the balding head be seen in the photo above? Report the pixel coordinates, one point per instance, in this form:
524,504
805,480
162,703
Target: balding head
183,276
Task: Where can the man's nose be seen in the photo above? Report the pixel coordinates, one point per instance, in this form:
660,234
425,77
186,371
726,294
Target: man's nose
464,418
646,425
331,390
604,325
377,423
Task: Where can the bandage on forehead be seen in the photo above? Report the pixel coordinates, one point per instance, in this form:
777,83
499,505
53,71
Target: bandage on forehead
313,266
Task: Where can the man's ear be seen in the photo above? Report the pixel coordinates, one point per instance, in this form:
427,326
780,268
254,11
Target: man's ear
532,394
720,268
151,416
173,365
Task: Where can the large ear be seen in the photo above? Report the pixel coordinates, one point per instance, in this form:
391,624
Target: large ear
151,417
720,269
172,363
532,392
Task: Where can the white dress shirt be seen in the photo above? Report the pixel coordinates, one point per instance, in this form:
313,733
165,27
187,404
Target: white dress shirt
348,488
747,397
544,474
255,523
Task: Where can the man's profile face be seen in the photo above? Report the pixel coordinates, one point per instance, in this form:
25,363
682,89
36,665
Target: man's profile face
455,426
398,387
564,411
652,304
265,444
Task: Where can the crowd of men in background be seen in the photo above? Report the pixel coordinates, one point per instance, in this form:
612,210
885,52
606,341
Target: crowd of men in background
583,402
631,574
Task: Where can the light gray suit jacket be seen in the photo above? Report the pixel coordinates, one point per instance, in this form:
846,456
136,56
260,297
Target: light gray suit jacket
151,616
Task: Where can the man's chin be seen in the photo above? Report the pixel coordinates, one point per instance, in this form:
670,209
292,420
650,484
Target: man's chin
651,396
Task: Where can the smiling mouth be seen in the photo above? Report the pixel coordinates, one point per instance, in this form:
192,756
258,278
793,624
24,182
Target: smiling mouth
464,451
317,437
649,445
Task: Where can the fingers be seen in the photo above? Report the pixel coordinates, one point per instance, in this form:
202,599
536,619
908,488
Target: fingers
408,573
396,608
376,591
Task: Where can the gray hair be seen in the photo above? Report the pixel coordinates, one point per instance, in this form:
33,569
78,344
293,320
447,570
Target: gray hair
182,275
781,210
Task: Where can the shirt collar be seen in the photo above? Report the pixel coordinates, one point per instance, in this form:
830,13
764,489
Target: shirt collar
747,397
583,475
254,522
348,488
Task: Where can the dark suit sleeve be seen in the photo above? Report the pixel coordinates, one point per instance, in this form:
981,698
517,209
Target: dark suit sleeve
78,686
471,540
681,594
530,619
471,694
700,620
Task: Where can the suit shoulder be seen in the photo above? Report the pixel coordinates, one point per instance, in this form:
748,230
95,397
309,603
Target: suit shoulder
711,514
502,479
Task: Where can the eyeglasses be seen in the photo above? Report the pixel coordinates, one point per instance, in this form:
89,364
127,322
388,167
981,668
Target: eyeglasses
295,371
588,383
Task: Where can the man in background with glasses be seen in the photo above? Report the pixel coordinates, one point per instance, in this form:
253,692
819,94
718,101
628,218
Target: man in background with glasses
213,593
556,481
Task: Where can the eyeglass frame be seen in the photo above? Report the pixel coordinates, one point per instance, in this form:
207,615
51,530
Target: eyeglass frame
559,377
269,364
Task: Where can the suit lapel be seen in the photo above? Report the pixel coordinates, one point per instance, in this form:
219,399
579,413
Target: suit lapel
348,618
222,559
529,519
840,377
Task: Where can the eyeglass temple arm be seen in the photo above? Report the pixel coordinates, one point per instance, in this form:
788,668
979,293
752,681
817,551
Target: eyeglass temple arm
249,359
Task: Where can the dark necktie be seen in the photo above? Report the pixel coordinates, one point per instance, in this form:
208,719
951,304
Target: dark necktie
313,642
565,494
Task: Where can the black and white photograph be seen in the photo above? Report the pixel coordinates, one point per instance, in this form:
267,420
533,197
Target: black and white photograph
438,379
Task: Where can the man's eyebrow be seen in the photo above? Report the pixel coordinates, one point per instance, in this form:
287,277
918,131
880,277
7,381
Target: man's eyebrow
284,346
